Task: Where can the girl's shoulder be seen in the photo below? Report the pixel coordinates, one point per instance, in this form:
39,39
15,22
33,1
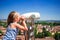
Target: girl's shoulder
13,25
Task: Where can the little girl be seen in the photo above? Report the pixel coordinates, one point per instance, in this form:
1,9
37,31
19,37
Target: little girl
13,26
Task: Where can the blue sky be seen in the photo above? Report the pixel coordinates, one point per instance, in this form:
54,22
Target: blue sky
48,9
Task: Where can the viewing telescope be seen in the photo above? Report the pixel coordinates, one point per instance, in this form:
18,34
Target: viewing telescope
35,15
30,17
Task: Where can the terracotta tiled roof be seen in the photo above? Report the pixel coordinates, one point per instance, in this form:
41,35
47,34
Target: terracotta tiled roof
48,38
2,28
56,29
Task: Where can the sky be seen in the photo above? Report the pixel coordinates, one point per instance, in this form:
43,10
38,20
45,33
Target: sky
48,9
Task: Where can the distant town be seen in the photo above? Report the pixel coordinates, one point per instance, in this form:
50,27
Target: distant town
43,29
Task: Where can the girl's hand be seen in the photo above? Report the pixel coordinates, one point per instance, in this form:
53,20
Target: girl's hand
22,18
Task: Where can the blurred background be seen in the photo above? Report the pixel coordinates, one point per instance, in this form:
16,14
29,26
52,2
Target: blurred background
47,27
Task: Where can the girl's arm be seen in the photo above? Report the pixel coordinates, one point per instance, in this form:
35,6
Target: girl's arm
24,24
22,19
21,27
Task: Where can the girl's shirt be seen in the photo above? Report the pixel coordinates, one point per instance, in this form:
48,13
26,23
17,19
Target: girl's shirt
10,33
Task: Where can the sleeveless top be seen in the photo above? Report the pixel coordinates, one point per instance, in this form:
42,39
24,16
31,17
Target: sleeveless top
10,33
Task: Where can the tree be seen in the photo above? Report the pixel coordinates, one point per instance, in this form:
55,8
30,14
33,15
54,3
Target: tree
35,32
1,33
57,36
46,33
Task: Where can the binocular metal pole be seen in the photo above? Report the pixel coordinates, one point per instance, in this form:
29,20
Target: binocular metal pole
29,35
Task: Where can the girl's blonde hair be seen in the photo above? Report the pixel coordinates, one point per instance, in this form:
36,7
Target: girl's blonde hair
11,17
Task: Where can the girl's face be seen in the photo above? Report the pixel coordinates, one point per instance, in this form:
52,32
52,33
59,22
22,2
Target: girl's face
17,17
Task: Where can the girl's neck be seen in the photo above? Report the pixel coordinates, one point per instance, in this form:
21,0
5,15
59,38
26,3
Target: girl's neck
15,21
